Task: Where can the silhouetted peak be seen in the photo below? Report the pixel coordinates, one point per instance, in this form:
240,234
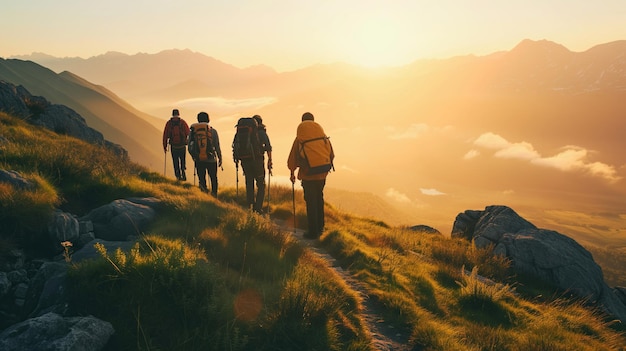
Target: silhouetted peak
538,47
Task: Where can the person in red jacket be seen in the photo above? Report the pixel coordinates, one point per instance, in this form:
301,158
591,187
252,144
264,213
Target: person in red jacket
313,180
175,134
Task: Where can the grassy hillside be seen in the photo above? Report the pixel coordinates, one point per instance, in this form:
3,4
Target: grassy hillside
210,276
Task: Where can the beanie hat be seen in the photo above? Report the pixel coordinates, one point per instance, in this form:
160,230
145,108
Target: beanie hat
175,112
307,116
203,117
258,119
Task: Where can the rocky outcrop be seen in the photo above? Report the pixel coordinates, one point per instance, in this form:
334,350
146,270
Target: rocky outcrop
33,301
544,254
17,101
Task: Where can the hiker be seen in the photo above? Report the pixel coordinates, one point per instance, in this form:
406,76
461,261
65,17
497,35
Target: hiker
253,158
312,154
204,147
175,134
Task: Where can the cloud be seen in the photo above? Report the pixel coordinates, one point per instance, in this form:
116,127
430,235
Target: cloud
431,192
397,196
346,168
522,151
473,153
571,159
413,132
491,141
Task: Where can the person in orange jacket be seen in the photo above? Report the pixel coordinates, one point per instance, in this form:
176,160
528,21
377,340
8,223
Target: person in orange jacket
313,181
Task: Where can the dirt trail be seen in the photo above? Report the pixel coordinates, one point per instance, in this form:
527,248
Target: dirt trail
384,336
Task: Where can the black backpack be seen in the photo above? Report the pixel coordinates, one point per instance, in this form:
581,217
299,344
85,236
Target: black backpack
246,144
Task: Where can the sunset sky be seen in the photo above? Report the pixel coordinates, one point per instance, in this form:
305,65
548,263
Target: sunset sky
288,35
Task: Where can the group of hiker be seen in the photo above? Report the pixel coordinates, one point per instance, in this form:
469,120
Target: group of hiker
311,154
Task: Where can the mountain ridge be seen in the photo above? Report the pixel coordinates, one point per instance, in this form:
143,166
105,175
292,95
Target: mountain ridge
101,109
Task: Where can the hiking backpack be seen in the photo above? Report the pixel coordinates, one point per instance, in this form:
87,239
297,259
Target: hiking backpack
315,150
177,135
200,145
246,144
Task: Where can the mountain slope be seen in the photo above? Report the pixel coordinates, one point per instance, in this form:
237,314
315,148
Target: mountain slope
103,110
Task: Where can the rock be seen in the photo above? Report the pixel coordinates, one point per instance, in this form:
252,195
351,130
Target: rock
544,254
424,229
16,180
122,218
46,292
5,285
89,252
63,227
54,332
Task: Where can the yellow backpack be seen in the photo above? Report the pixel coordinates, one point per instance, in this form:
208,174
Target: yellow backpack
315,149
201,143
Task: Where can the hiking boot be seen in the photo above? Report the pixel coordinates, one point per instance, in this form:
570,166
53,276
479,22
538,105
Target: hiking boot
204,189
262,211
183,177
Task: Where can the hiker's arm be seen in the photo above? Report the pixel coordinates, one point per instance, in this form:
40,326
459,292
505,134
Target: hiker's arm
292,162
218,149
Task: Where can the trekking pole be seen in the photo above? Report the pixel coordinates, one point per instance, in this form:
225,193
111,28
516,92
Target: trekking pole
165,161
293,199
237,178
269,183
194,174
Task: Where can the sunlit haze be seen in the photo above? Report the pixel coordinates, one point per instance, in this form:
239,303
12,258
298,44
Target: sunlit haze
287,35
413,135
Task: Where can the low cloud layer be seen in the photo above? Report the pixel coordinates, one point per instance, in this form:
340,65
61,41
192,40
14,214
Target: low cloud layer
412,132
570,159
397,196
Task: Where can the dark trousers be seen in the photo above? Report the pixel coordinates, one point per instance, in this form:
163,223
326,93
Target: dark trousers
178,157
254,171
314,198
203,168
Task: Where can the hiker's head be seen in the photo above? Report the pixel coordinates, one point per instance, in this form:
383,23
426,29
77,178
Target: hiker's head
308,116
258,119
175,112
203,117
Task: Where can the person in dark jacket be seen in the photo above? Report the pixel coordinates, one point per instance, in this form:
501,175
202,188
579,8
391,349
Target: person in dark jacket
175,134
254,169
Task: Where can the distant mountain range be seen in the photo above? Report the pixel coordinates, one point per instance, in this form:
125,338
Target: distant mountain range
539,92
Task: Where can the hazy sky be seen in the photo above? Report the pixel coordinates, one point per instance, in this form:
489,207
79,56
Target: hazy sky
291,34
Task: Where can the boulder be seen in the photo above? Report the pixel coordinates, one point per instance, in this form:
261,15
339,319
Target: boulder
63,227
122,218
544,254
54,332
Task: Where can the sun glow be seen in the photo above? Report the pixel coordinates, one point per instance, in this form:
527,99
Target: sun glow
375,42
